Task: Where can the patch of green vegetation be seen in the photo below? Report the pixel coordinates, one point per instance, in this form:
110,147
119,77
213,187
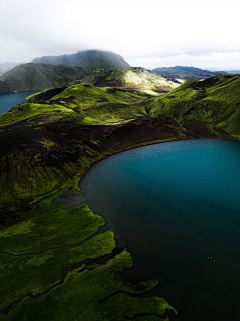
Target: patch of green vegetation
61,227
81,289
35,94
126,307
47,143
32,76
50,203
51,264
28,110
31,180
83,94
214,101
37,273
126,95
80,104
94,142
112,113
5,87
139,77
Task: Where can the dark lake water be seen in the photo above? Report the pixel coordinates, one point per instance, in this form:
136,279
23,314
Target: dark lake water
176,208
7,101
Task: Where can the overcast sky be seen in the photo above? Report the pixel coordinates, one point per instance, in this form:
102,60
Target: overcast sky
150,34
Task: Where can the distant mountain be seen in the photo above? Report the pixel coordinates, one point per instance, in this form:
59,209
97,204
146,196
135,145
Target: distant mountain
41,76
4,67
180,72
38,76
89,59
233,71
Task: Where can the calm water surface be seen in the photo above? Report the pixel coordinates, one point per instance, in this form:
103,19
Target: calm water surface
8,101
176,208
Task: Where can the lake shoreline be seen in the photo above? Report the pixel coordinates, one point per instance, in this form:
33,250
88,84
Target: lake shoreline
129,228
94,143
9,100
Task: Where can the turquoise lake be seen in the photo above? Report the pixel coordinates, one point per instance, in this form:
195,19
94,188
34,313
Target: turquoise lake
8,101
176,208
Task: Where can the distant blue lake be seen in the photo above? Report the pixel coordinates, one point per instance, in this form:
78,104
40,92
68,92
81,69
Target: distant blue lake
176,208
8,101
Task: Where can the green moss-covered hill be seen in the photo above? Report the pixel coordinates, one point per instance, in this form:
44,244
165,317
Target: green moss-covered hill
57,262
6,66
38,77
59,134
181,72
215,102
42,76
88,59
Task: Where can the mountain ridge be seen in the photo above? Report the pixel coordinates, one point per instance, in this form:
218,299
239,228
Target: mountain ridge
182,72
88,59
42,76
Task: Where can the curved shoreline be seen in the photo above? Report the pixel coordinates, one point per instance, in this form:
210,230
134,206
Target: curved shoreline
47,168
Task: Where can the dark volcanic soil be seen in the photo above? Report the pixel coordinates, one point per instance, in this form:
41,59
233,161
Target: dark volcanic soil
22,151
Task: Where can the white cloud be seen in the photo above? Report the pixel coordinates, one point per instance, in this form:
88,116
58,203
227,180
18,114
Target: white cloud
150,32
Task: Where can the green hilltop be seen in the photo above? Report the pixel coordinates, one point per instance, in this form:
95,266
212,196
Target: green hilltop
215,101
56,260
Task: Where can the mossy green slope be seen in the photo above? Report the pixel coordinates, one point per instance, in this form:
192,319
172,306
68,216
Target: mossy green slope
54,268
215,101
129,307
38,76
79,104
35,235
29,110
